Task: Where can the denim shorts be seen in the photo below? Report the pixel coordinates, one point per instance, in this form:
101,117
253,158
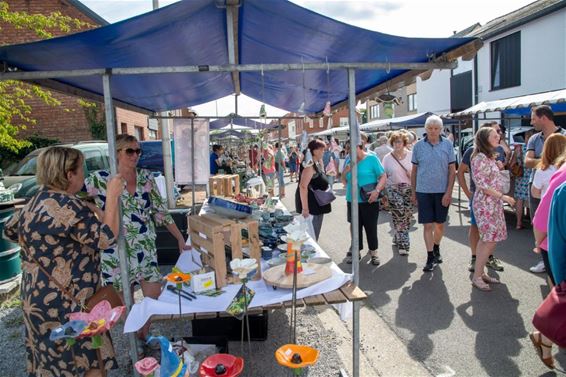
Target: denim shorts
431,209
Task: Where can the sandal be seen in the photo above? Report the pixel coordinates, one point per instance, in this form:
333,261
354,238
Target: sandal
538,344
490,279
480,284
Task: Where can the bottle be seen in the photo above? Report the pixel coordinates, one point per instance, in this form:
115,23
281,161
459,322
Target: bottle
293,255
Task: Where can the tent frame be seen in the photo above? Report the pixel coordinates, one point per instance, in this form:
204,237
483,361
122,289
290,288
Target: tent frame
351,68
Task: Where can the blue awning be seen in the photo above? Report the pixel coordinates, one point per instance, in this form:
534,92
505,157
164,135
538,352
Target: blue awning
194,32
239,121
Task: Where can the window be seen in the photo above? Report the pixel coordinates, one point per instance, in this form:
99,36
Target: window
123,128
320,122
506,62
344,121
310,122
374,112
139,133
152,134
389,110
94,160
412,102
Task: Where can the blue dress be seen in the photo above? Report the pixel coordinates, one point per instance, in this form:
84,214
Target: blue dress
522,183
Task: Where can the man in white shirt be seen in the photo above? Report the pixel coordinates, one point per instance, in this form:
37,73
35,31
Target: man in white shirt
382,148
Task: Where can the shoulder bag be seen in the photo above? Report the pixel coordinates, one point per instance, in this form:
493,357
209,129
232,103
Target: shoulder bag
550,317
399,162
322,197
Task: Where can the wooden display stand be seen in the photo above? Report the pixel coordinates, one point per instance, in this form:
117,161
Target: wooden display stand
224,185
218,232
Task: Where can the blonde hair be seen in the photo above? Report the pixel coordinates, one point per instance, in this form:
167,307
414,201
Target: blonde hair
395,135
561,159
54,163
123,140
553,148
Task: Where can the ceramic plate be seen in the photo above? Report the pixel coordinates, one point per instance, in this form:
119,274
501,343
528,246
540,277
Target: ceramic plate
320,260
282,247
275,262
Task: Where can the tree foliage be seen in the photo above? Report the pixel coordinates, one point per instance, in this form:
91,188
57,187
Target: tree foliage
15,111
95,119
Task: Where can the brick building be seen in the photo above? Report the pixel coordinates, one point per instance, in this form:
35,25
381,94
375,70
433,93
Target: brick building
407,104
66,122
294,127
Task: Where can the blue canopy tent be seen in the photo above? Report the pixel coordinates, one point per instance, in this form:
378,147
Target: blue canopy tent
196,51
239,121
194,33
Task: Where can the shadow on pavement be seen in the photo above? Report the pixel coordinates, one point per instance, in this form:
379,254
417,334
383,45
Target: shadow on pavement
423,309
389,276
499,327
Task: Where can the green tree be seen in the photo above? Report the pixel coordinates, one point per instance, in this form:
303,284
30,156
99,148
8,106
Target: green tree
15,111
95,119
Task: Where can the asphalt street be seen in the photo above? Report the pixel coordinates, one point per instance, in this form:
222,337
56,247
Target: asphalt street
444,323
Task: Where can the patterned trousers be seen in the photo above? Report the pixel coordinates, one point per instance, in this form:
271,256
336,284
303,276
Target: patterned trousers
401,209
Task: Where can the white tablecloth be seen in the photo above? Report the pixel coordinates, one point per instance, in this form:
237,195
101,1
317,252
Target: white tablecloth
168,302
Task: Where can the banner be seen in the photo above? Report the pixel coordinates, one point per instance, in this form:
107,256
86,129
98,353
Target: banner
184,153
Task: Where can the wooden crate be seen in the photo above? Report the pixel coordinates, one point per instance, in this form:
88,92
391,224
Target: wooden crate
224,185
212,232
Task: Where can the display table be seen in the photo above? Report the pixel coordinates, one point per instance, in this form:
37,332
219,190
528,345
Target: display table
337,289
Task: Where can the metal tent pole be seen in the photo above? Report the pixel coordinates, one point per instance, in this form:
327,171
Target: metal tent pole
167,162
354,142
111,134
193,166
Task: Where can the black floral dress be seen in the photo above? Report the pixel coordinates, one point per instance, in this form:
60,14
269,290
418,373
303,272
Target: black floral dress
67,239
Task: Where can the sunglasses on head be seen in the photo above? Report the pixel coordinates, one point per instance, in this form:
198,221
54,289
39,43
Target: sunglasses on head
131,151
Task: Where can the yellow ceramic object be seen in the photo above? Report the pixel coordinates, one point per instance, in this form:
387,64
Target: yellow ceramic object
284,356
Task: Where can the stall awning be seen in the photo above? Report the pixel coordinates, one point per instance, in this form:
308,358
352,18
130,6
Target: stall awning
237,121
522,102
407,121
194,32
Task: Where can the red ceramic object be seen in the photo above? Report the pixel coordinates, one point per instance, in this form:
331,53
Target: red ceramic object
221,365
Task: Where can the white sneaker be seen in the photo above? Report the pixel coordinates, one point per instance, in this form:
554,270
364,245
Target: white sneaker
539,268
403,252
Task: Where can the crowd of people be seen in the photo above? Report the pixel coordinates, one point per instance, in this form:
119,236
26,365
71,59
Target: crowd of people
68,244
400,173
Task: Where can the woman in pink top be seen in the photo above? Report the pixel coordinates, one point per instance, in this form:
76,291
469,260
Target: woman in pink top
397,165
540,221
542,344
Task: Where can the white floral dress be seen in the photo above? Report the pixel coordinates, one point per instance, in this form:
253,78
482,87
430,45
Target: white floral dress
138,227
488,209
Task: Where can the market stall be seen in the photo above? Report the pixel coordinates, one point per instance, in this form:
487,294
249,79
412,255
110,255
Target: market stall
251,31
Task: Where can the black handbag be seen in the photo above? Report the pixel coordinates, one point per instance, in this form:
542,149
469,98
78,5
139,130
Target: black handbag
366,190
323,197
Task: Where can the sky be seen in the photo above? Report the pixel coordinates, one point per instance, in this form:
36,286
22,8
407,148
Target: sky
408,18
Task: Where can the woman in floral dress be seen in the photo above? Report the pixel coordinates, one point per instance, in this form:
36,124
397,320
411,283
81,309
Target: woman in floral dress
521,192
141,202
60,232
487,203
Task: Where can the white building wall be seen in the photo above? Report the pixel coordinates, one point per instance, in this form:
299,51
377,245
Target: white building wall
543,59
434,94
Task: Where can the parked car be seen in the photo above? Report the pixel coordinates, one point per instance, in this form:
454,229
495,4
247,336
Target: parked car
21,179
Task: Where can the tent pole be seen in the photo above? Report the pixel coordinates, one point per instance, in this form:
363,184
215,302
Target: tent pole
193,167
354,142
167,162
111,134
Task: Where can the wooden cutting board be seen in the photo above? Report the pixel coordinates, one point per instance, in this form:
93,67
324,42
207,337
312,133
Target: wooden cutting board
276,277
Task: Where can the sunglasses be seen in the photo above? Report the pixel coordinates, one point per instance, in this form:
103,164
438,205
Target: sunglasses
131,151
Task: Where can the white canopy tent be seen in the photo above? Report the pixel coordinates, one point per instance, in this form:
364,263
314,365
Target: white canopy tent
546,98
